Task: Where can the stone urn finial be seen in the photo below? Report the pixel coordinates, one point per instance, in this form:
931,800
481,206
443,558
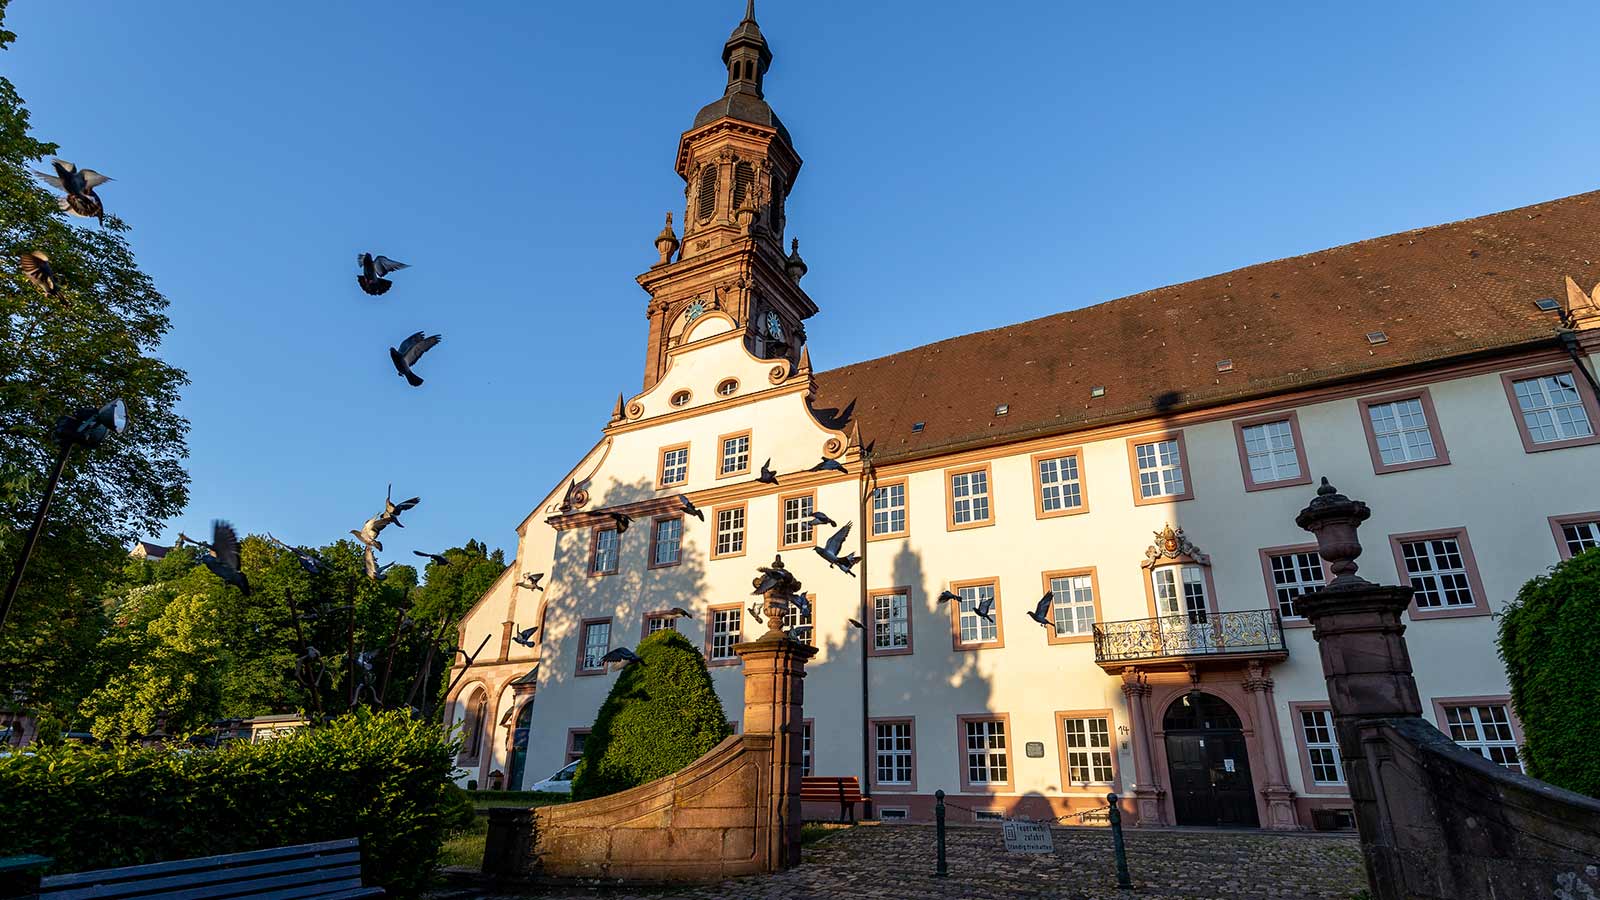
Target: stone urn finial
778,585
794,265
1335,519
666,242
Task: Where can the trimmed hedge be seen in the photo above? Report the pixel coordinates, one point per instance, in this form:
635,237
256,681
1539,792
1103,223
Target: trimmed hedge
381,777
1548,637
659,717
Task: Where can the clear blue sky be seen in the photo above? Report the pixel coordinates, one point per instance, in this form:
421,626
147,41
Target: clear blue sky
966,166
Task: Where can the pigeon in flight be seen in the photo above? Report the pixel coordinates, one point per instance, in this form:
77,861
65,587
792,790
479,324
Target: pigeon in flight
373,268
856,623
1041,611
681,613
948,595
755,613
392,510
308,561
411,350
821,518
767,476
370,561
364,660
622,655
801,603
81,200
771,576
36,266
690,508
985,609
436,557
830,551
531,581
370,529
828,465
623,520
223,558
524,637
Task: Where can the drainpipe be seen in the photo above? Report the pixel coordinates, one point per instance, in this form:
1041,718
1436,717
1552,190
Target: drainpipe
867,479
1569,342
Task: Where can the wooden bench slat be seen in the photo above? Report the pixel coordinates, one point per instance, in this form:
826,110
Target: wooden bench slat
302,884
217,884
126,873
339,891
331,862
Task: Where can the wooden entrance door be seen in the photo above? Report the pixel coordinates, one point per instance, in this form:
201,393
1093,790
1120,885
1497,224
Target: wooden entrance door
1208,764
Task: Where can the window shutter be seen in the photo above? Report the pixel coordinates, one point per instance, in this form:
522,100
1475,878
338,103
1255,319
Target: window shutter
708,192
743,175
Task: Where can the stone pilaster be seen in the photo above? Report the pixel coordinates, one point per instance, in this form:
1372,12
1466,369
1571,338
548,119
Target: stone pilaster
1276,790
1147,792
774,677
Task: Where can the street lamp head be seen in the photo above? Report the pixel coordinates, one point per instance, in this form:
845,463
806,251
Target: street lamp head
90,427
113,415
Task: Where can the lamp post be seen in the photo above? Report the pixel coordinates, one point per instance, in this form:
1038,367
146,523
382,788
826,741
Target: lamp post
87,428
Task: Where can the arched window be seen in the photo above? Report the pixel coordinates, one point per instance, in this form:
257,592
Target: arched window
472,725
708,192
743,176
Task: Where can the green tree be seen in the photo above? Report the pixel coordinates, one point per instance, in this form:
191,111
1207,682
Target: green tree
661,715
95,341
441,603
1547,641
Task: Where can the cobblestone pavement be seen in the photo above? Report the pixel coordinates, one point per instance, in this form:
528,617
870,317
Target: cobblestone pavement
897,861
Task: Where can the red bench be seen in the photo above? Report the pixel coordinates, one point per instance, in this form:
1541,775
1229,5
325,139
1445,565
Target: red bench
844,791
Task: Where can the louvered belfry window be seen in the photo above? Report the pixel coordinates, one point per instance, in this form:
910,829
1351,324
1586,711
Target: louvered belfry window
743,176
708,192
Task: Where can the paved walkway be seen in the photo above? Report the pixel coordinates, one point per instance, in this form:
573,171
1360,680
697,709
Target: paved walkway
895,862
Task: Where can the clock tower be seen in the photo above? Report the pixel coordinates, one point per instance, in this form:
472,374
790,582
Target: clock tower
738,165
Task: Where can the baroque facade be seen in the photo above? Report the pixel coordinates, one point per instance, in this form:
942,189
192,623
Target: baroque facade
1134,467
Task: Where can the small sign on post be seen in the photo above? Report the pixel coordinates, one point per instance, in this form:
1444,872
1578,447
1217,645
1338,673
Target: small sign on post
1027,837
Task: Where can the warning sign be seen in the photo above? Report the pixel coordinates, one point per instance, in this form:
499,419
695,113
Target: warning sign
1027,837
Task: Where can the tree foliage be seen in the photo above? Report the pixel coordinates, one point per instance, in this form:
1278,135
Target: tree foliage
1547,640
93,342
660,716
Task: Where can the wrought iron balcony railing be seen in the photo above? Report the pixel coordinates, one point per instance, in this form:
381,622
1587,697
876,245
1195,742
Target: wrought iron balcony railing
1193,634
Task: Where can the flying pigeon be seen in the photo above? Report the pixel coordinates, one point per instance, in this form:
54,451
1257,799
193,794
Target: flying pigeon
622,655
755,613
369,532
828,465
364,660
370,561
821,518
223,560
948,595
767,476
856,624
690,508
531,581
830,551
622,519
1041,611
36,266
801,603
312,653
985,609
771,576
392,510
411,350
373,268
438,558
525,636
681,613
308,561
81,200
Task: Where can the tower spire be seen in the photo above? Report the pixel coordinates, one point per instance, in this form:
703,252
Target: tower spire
746,54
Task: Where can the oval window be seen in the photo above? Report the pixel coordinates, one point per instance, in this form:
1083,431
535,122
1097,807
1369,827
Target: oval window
681,398
727,387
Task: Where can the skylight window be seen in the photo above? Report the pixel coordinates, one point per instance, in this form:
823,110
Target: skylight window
1002,409
1377,337
1097,391
1224,365
1547,304
916,427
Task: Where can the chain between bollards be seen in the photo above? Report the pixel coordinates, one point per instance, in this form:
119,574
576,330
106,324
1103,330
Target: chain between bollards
938,818
1124,880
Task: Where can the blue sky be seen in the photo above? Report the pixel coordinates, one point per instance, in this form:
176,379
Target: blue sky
966,166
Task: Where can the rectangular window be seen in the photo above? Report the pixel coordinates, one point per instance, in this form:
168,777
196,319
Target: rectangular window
891,622
1403,432
1576,534
889,510
730,532
1160,469
1060,483
576,739
1088,746
969,498
806,744
1484,728
1294,573
596,643
725,623
666,542
972,629
607,547
659,622
1436,569
1072,604
1270,453
797,524
1552,409
799,624
1180,591
985,755
734,456
892,752
1322,748
674,466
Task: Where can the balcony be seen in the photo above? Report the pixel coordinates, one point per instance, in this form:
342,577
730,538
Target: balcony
1186,639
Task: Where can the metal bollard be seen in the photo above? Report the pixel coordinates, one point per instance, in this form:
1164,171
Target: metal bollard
938,819
1124,880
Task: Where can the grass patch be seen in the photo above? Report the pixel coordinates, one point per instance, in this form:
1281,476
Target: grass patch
811,832
522,799
465,847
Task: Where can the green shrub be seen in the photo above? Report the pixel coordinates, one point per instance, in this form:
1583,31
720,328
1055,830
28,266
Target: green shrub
1548,637
660,716
382,778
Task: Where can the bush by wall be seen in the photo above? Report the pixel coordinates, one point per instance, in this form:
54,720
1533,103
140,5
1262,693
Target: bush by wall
380,777
1548,637
660,716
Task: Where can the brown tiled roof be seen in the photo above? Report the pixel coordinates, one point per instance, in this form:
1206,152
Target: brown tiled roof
1439,292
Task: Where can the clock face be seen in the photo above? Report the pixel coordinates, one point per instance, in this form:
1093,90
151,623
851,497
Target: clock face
774,326
694,311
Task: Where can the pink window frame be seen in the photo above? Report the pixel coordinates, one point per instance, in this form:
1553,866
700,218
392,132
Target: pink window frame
1250,484
968,787
1440,722
1442,452
1308,784
1267,553
1585,395
583,644
894,787
1570,519
1134,443
872,609
1480,597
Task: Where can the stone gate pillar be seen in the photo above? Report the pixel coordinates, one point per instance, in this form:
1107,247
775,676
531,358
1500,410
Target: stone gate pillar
774,673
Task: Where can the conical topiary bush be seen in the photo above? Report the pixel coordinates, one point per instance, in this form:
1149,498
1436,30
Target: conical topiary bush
660,716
